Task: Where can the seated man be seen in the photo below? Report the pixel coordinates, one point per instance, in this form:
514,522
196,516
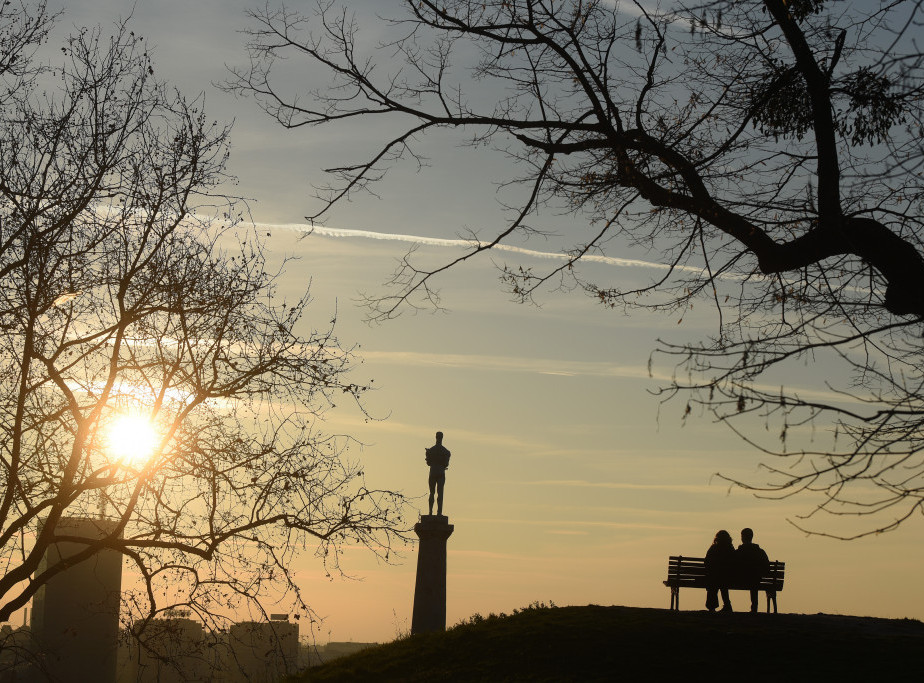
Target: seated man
753,563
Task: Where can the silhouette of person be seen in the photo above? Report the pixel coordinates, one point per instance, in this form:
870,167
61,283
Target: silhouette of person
437,457
753,564
720,568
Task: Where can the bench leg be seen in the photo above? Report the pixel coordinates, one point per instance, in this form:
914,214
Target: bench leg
675,598
771,598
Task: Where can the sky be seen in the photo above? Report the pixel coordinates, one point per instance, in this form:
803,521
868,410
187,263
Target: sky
569,481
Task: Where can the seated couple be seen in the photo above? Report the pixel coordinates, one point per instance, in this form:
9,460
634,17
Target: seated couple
726,566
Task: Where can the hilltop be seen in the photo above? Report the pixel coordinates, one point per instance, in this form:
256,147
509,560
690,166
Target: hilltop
596,643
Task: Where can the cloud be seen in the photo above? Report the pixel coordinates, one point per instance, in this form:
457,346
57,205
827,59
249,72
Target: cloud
673,488
589,524
542,366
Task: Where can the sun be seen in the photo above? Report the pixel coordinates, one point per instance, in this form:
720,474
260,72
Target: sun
131,439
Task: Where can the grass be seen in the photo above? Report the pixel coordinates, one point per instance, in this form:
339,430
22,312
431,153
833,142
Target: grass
596,643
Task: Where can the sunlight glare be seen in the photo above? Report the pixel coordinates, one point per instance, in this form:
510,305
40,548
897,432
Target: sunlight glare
132,439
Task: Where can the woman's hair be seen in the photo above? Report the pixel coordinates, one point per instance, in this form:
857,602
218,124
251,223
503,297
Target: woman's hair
722,537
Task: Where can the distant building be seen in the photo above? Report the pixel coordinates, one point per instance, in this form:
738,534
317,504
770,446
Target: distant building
16,653
314,655
262,652
75,615
170,650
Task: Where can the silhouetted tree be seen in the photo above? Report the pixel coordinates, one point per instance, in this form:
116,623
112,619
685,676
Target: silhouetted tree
128,290
768,153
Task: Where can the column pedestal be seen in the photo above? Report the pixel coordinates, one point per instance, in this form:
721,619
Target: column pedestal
430,590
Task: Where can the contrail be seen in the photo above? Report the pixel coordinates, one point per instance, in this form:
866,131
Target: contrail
465,244
533,253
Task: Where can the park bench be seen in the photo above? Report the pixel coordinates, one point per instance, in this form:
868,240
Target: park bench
690,572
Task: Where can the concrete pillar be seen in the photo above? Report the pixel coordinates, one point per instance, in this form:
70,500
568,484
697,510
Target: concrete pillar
430,590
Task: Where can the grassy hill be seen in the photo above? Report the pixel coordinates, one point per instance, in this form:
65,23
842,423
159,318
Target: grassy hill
595,643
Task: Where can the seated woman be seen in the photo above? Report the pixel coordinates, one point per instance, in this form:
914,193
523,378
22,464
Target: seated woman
720,568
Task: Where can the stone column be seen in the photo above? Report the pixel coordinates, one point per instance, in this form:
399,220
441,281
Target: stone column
430,590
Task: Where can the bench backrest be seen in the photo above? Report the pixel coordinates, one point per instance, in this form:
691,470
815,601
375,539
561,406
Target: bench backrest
691,572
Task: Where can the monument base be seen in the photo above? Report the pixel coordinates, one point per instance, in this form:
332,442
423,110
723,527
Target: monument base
430,589
432,520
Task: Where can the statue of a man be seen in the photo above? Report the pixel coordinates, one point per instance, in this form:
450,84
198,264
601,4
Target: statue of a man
437,458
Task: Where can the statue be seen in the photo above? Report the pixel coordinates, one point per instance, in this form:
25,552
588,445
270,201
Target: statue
437,458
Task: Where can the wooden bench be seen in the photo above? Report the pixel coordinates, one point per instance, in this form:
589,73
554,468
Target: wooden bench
690,572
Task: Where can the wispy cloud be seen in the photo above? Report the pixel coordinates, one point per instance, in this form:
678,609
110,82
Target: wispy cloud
580,523
571,368
544,366
538,365
579,483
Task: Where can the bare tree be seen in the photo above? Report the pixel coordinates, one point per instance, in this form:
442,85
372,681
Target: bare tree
768,153
130,298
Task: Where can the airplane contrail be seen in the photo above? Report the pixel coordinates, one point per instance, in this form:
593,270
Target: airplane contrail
340,233
463,244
